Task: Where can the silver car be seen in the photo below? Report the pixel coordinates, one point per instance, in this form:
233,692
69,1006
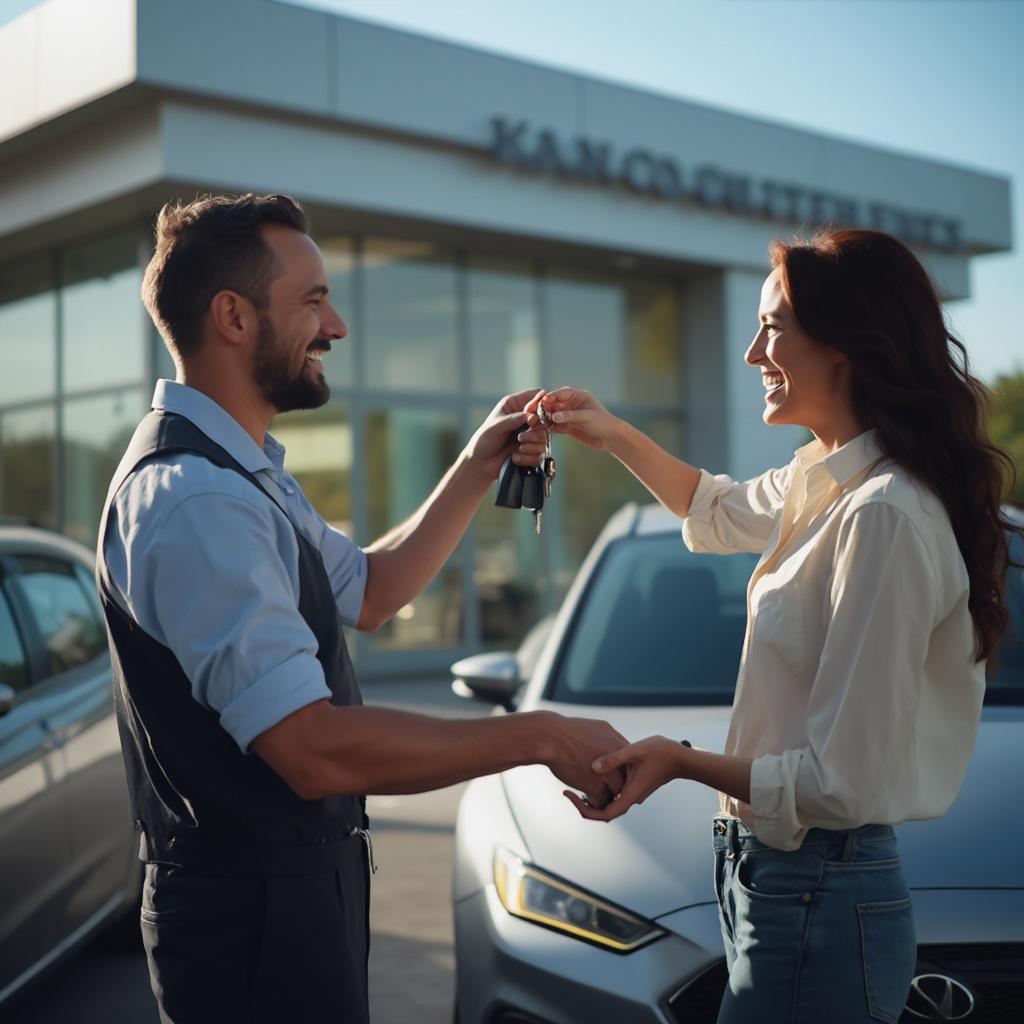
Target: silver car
68,851
564,921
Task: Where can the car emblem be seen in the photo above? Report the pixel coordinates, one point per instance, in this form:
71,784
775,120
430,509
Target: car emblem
936,997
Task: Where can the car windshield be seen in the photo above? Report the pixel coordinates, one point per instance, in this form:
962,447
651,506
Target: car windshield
1006,680
659,625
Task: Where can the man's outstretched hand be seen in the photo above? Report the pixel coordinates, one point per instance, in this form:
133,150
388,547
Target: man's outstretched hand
495,438
578,742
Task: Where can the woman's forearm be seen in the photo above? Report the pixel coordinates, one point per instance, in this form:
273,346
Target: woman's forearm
730,775
672,481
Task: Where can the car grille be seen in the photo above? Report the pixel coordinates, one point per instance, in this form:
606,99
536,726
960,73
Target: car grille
993,972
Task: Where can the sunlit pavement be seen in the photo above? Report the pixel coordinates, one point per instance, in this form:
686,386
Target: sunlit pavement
411,962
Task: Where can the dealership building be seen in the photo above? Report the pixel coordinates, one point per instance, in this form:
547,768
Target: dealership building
487,224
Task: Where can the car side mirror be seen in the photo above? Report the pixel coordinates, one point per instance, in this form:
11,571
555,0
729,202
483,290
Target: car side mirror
493,678
7,696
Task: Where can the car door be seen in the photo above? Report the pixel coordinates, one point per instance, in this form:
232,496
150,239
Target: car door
61,597
35,828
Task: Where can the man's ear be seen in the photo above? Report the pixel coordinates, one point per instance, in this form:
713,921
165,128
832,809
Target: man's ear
231,315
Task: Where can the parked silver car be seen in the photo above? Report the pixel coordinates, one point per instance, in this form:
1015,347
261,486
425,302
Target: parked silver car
68,852
564,921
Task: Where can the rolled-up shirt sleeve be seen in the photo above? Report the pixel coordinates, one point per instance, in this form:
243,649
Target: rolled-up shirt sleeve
862,708
726,516
226,606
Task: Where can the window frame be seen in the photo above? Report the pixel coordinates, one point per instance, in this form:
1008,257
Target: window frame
15,603
41,680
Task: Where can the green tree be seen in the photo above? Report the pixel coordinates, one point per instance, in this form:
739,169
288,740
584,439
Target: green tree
1006,424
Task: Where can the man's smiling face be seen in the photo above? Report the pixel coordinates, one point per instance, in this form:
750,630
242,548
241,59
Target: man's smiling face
297,326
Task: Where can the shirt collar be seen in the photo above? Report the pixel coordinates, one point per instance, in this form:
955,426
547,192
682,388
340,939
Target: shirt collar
218,425
846,462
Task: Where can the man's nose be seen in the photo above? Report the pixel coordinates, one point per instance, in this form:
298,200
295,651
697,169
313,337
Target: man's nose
334,325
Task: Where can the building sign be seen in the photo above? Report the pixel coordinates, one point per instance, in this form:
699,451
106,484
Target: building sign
645,172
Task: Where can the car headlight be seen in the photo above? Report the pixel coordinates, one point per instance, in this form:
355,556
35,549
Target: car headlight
534,895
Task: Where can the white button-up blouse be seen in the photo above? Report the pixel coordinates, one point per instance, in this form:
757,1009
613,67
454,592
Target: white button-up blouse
858,695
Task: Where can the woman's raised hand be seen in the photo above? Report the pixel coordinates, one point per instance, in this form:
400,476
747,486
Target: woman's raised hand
571,411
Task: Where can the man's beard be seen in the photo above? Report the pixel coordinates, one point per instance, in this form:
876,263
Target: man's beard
270,370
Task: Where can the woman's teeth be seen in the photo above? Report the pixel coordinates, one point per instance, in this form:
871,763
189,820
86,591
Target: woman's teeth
772,381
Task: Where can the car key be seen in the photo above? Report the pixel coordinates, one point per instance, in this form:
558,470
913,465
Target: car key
548,466
533,494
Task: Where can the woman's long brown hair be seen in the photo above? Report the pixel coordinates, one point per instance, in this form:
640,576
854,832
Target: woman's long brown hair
865,294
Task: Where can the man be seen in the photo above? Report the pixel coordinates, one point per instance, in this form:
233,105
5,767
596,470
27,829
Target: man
247,747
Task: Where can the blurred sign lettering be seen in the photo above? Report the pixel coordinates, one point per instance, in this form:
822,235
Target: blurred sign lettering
642,171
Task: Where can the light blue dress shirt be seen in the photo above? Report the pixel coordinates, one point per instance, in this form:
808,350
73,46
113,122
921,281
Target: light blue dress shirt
208,565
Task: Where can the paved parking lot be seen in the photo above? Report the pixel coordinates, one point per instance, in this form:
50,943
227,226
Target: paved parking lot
411,961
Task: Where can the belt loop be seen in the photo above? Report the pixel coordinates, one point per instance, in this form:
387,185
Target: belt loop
734,838
850,849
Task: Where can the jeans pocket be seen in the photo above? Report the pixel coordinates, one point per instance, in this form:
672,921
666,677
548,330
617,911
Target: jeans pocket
778,876
889,949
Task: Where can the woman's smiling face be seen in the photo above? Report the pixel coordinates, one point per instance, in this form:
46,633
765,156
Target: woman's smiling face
805,383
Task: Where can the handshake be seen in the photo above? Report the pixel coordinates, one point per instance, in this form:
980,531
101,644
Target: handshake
623,775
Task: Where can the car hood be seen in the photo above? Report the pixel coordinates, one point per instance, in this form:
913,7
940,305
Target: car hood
657,858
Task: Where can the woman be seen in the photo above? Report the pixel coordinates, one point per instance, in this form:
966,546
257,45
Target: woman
872,612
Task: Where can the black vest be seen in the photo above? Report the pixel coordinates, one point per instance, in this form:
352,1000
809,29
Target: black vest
197,800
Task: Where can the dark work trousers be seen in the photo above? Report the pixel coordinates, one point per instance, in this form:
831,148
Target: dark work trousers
291,948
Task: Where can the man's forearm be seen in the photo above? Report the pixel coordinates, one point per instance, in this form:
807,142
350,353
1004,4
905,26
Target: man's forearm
372,750
402,562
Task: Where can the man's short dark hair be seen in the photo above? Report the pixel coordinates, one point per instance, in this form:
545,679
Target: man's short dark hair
205,247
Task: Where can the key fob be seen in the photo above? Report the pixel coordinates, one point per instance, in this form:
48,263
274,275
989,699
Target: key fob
510,485
533,489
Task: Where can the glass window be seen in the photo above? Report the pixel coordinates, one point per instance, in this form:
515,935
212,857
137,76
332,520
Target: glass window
319,456
339,261
409,324
96,434
1005,672
509,571
63,612
659,625
28,332
585,321
13,668
618,337
103,320
88,581
504,338
407,451
652,325
28,461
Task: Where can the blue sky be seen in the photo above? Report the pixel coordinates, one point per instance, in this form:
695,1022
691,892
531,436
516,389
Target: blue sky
939,78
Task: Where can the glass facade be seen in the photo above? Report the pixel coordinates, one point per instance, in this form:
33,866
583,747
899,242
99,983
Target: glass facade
436,338
75,351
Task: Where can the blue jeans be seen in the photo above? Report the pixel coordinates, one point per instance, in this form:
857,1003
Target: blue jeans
823,933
